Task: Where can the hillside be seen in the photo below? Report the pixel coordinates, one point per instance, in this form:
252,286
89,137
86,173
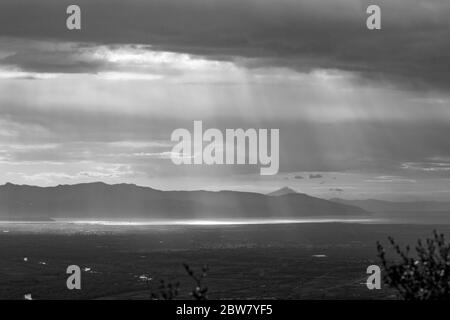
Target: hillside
124,201
390,206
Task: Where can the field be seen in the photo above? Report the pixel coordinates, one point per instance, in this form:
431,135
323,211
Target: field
289,261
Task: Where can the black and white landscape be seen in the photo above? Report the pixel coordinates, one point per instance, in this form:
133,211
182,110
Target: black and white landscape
89,175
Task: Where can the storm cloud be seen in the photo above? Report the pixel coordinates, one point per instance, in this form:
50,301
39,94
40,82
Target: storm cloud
301,35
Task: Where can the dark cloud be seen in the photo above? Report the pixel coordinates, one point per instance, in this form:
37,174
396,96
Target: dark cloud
54,62
412,46
315,176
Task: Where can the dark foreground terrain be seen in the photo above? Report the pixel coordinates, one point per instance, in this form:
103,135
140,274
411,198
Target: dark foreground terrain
297,261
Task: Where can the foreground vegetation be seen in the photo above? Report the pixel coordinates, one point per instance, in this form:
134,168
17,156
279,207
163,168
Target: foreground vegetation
422,276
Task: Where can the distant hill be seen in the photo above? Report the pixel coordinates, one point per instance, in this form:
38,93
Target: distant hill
282,192
24,218
123,201
390,206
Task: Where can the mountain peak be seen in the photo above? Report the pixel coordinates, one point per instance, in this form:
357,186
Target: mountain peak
281,192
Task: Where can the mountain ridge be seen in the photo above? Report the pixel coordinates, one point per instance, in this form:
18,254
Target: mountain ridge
101,200
374,205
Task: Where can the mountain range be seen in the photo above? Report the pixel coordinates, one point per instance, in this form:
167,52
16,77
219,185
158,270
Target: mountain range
391,206
129,201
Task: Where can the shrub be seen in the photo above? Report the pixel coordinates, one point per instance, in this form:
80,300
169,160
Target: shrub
200,291
169,291
424,276
166,291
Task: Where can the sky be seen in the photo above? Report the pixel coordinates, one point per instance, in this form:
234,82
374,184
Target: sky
362,113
